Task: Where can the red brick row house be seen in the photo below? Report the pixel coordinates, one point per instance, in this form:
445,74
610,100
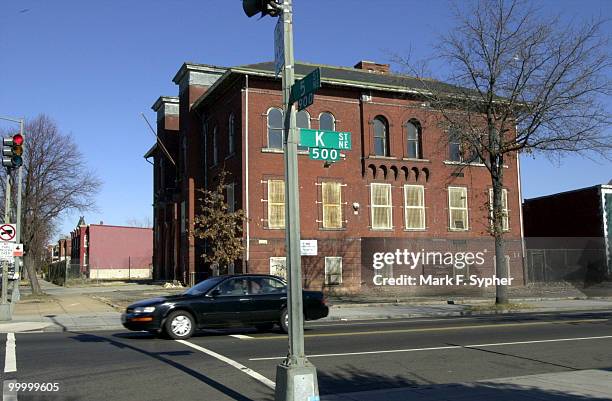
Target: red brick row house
402,185
102,251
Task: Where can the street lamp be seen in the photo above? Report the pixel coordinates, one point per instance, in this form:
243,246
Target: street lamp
296,377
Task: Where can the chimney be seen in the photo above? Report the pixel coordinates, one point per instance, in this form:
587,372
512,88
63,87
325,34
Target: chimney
371,66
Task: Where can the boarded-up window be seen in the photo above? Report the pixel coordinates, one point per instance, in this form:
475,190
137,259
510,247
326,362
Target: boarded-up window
333,270
458,208
380,201
276,204
414,204
332,205
278,266
505,223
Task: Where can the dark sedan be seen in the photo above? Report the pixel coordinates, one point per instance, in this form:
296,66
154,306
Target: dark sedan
226,301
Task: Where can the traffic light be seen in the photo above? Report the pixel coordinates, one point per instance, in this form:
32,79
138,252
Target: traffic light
12,150
265,7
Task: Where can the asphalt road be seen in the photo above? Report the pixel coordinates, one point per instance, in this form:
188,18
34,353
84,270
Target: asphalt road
350,356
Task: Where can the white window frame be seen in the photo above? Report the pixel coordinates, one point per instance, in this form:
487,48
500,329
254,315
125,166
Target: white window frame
506,219
274,261
416,141
276,227
333,119
268,127
327,267
373,206
450,209
385,123
304,148
338,205
420,208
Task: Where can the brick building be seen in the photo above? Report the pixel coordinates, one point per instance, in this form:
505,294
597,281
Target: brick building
401,185
569,236
111,252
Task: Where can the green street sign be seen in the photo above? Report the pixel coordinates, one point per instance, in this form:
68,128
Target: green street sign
313,138
323,154
303,90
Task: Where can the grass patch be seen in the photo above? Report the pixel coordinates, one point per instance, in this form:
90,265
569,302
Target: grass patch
34,299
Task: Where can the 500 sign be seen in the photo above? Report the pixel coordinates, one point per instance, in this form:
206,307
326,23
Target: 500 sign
324,154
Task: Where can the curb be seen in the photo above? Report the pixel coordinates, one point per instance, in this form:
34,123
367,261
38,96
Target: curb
106,301
54,328
457,301
465,313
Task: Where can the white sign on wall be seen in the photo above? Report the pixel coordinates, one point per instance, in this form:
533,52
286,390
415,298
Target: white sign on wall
308,247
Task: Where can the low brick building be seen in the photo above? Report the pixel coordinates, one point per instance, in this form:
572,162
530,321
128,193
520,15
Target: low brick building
112,252
568,236
402,185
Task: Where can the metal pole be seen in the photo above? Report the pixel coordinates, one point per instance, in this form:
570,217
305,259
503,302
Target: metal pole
16,296
7,207
296,378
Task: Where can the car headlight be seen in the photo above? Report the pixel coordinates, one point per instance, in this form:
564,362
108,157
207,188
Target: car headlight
144,309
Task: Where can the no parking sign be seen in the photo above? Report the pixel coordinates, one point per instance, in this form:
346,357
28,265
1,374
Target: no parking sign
7,233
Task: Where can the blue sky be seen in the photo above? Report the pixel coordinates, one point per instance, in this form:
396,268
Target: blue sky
94,66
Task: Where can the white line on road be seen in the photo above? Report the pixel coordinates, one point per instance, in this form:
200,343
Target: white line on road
241,336
267,382
10,361
391,351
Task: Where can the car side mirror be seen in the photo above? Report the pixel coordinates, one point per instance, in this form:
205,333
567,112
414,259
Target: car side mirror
215,293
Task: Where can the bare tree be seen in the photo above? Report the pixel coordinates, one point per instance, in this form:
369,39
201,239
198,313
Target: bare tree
55,180
145,222
220,226
520,82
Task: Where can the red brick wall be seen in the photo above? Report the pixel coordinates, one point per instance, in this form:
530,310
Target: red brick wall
114,247
355,172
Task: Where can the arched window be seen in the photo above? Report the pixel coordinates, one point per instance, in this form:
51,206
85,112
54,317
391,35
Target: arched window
231,134
454,145
275,129
381,136
303,121
327,122
413,140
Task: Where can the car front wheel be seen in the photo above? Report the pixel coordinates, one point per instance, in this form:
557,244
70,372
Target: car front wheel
179,325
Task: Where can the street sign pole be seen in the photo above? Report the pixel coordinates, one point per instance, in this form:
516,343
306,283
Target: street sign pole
7,207
296,378
16,295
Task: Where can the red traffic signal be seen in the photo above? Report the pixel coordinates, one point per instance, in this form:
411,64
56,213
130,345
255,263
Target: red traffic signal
18,139
12,150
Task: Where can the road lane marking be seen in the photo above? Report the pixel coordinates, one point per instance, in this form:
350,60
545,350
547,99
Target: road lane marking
261,378
241,336
427,329
391,351
10,361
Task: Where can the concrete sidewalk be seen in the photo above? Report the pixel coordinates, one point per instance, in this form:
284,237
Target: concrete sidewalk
585,385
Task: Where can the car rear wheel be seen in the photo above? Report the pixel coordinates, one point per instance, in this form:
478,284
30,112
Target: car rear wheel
179,325
284,320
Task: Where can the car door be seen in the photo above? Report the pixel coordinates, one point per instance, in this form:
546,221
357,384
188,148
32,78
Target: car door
231,303
268,295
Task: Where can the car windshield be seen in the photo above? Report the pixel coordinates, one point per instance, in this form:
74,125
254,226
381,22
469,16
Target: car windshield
204,286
